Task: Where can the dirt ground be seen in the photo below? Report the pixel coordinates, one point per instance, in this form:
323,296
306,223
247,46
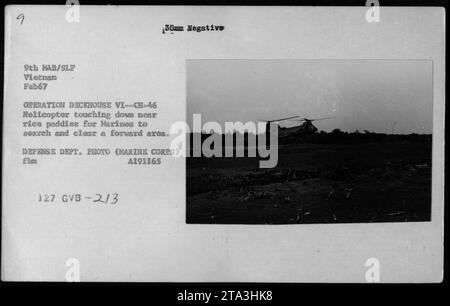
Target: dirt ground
314,183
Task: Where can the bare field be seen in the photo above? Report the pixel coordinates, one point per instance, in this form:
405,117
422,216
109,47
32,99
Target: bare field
314,183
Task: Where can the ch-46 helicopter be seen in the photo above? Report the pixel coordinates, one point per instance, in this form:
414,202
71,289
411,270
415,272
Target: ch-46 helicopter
306,128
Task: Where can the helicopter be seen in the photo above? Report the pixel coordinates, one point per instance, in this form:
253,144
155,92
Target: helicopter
306,128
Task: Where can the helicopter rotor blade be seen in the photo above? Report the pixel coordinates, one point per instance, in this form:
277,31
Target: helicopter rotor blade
282,119
307,119
301,119
319,119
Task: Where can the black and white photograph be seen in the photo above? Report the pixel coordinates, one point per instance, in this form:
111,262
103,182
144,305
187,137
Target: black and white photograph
354,141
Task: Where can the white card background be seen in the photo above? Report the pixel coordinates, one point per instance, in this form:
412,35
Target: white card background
121,54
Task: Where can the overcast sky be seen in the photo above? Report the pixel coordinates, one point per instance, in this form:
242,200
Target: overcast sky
361,94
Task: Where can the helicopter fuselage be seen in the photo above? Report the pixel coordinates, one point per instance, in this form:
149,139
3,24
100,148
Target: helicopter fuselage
307,128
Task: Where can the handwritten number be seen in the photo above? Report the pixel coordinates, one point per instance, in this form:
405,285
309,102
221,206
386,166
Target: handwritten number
21,17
